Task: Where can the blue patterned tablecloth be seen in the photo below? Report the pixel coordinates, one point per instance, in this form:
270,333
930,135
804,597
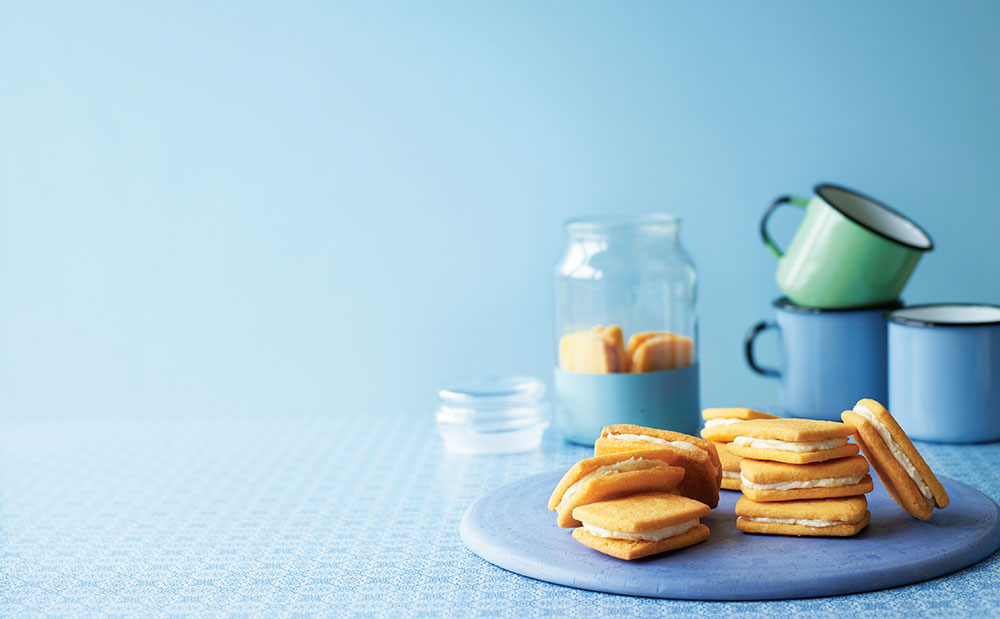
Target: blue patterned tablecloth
335,515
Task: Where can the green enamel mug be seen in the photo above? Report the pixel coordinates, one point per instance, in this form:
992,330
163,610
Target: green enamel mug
849,251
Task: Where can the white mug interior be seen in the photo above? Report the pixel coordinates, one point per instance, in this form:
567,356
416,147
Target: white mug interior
948,314
875,216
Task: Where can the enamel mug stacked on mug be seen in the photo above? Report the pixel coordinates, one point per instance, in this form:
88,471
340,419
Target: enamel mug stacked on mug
846,336
842,274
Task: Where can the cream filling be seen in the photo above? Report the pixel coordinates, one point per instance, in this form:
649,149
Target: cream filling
803,523
648,536
766,443
897,453
730,475
632,464
825,482
658,441
721,421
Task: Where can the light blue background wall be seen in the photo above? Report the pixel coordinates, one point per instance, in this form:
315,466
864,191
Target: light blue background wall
313,207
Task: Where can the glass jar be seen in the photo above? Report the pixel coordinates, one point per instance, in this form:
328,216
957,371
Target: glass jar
626,327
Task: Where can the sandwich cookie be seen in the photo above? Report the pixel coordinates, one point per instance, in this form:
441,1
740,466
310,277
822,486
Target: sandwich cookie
761,480
903,472
715,417
730,467
698,457
641,525
841,517
795,441
603,477
599,350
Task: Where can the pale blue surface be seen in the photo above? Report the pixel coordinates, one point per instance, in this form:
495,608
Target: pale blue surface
348,514
245,208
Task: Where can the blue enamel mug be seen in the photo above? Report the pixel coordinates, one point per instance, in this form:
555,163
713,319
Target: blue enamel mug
944,372
831,358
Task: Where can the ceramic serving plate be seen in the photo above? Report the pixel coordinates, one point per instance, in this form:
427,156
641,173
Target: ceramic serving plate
512,528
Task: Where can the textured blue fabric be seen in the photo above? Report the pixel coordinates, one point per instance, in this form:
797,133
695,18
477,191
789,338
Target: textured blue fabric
336,515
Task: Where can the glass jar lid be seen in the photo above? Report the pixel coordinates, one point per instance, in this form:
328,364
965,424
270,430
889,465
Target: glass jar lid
494,392
492,415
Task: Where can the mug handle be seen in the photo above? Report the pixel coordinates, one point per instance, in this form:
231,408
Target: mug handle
768,241
748,348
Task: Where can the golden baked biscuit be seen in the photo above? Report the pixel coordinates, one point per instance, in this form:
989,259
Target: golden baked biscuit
702,468
761,480
641,525
795,441
839,517
730,467
715,417
594,351
638,338
905,475
614,334
602,477
654,352
734,414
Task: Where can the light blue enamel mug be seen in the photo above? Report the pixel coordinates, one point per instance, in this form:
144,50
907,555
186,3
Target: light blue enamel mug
831,358
944,372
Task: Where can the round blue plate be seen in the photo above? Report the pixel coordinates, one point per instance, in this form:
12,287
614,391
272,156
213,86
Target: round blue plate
511,527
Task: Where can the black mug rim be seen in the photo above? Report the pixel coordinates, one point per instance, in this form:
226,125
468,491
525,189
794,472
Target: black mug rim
819,189
918,322
784,303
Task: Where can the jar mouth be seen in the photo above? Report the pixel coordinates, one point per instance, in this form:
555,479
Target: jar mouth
599,223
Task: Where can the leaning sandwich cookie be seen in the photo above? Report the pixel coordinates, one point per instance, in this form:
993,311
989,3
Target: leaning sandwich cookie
761,480
839,517
641,525
795,441
698,457
603,477
905,475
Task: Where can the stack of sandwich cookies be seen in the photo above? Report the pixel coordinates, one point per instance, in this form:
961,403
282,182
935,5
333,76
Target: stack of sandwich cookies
905,475
715,417
795,441
778,481
698,457
611,475
641,525
798,477
837,517
620,503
